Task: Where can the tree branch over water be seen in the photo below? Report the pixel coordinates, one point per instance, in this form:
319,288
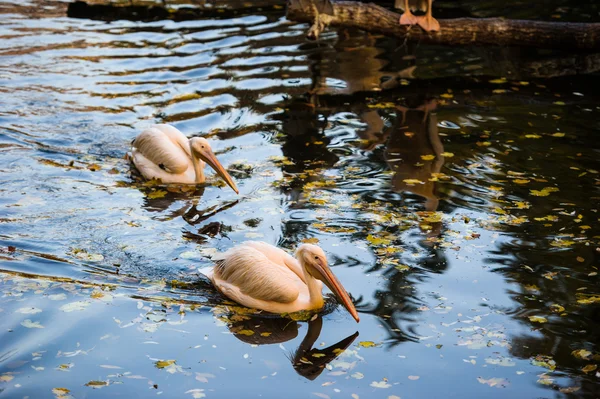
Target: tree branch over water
454,32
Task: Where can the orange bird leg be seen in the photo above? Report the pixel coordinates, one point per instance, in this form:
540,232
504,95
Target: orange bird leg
407,17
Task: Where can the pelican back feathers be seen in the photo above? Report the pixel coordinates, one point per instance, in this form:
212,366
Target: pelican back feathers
255,275
164,146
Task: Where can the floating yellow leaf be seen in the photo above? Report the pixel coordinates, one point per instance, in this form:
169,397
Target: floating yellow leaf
522,205
537,319
521,181
498,81
412,181
378,240
532,136
559,103
97,384
402,268
60,393
589,300
161,364
581,354
245,332
447,154
589,368
447,95
367,344
557,308
427,157
580,259
6,377
544,361
558,135
483,143
313,240
157,194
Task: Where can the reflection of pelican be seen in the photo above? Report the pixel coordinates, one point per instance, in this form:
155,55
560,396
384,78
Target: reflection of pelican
163,152
261,276
307,362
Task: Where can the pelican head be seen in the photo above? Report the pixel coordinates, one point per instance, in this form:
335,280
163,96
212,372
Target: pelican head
201,150
313,260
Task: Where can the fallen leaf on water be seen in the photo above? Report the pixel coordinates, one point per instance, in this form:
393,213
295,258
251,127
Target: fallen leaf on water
581,353
537,319
427,157
367,344
569,389
413,181
588,300
97,384
544,361
61,393
203,377
157,194
557,308
6,377
196,393
532,136
378,240
161,364
64,366
28,310
75,306
31,324
358,375
380,384
493,382
521,181
245,332
558,135
447,154
589,368
413,377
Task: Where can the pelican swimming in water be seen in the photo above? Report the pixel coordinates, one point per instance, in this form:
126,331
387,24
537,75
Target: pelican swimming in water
163,152
261,276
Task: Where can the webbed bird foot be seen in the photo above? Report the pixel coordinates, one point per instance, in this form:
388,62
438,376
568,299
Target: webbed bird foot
408,18
428,23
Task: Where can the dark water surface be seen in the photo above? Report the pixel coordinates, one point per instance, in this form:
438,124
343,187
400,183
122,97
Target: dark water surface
459,207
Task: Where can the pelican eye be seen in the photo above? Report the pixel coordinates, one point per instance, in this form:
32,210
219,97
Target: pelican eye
316,257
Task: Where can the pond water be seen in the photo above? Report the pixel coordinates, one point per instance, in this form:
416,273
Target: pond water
458,206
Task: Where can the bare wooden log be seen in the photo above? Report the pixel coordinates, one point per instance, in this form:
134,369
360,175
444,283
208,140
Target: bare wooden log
454,32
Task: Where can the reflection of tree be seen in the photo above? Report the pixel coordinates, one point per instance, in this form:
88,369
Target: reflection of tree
309,362
550,287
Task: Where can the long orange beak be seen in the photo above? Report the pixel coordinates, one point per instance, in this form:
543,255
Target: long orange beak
209,157
338,290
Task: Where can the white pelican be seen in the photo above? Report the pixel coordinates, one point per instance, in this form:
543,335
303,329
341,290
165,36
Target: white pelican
261,276
163,152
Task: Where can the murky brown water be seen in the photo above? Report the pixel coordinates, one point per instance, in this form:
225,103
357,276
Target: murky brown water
459,207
